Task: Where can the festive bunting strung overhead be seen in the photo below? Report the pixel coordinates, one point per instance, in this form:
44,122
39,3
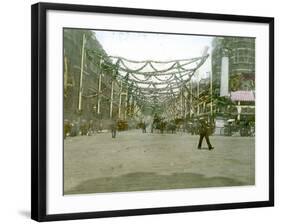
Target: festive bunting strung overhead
150,79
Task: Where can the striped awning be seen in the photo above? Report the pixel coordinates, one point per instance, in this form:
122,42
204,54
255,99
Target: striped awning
242,96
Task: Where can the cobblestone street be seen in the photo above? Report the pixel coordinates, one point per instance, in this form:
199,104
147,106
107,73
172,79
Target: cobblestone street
135,161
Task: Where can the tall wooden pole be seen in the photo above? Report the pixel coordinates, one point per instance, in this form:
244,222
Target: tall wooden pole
65,75
81,75
111,98
211,91
183,102
239,111
182,111
99,90
126,105
134,106
198,93
120,101
190,108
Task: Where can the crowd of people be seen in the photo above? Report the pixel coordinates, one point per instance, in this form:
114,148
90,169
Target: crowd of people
89,127
84,127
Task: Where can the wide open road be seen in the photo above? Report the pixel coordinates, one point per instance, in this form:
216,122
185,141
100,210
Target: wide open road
134,161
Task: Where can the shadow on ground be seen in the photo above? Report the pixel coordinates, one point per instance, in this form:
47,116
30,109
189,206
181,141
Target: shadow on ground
141,181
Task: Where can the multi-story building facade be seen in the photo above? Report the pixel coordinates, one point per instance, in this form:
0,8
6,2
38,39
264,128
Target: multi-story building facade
92,88
239,101
241,54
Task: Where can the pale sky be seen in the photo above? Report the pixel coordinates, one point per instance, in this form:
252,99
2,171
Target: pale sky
159,47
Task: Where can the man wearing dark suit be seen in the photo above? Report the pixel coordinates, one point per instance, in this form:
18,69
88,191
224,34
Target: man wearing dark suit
204,131
113,128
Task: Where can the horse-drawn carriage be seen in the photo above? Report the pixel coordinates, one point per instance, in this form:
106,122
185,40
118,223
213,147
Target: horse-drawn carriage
122,125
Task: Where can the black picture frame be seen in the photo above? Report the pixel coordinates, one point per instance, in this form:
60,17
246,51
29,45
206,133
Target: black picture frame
39,108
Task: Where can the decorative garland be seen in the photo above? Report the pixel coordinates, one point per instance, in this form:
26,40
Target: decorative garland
178,74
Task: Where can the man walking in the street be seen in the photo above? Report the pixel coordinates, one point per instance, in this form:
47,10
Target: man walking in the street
204,131
113,128
143,127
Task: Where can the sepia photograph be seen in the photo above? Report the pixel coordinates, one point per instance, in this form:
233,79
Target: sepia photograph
147,111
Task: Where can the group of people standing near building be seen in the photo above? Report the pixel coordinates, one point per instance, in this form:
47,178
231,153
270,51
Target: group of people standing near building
88,128
204,128
74,128
84,127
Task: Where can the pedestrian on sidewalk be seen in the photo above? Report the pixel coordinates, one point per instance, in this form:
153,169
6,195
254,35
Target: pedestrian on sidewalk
204,132
113,128
143,127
